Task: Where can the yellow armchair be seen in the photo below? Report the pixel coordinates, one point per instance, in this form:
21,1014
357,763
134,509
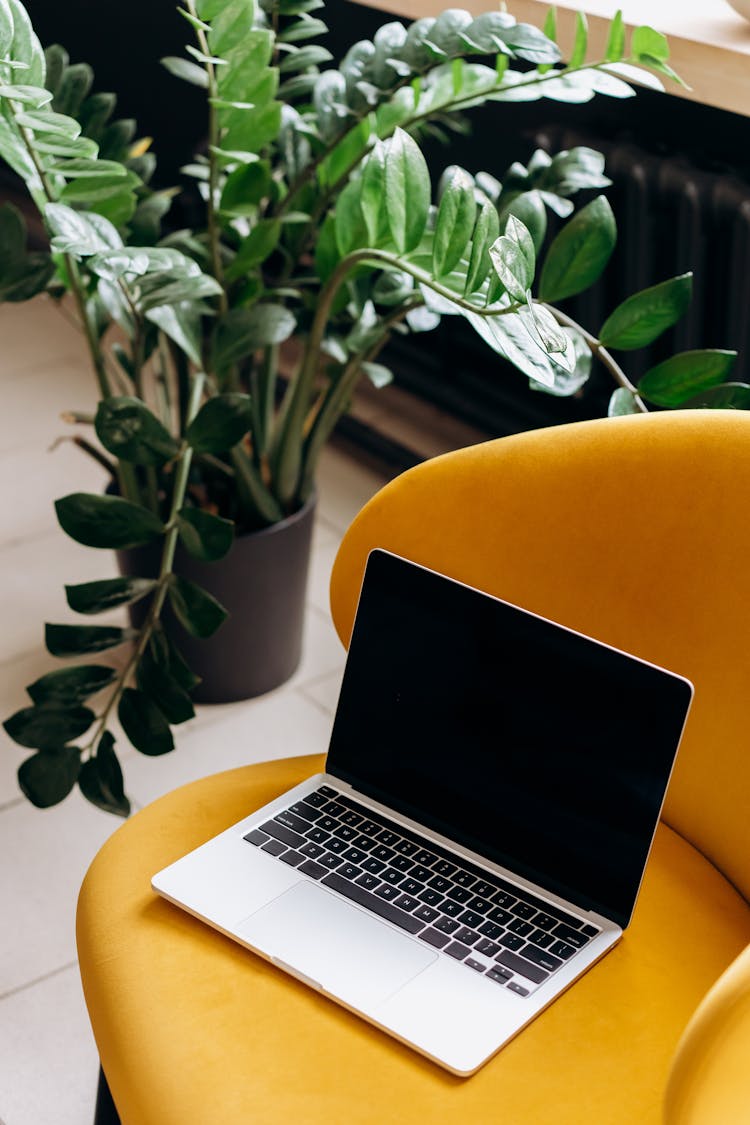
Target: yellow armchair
634,530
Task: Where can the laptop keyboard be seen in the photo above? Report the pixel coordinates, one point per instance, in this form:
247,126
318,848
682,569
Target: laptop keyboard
488,924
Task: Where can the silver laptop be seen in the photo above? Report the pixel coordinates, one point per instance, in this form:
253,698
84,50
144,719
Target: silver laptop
478,840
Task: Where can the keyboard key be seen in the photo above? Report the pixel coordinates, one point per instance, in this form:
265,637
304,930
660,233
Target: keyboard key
335,845
286,835
469,918
326,824
407,847
432,898
447,925
312,850
351,818
442,867
294,859
382,852
447,906
401,863
289,820
455,949
477,965
392,876
544,921
486,890
387,837
326,791
463,879
333,808
499,975
355,855
421,873
544,940
502,898
426,913
541,957
501,917
373,865
523,910
440,884
344,832
349,871
411,886
256,837
488,948
425,857
316,799
590,931
467,935
305,811
387,892
560,949
317,835
459,894
518,926
371,901
490,929
406,902
512,941
368,881
363,842
310,867
434,937
481,905
369,827
514,986
520,965
330,860
571,937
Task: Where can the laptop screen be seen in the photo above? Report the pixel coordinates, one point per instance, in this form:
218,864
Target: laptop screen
540,749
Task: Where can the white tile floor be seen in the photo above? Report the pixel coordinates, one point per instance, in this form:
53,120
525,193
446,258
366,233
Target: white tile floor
48,1061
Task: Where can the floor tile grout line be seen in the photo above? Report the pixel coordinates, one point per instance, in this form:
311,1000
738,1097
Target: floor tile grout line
38,980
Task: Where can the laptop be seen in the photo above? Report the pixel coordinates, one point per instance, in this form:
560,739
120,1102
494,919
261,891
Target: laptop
478,840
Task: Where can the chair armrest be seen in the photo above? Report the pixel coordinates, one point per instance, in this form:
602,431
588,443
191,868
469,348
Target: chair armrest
709,1082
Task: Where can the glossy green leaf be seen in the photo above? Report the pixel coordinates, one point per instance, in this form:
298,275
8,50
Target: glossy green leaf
350,226
48,777
231,25
372,190
48,725
622,402
407,190
454,224
727,396
25,47
615,48
647,42
106,521
169,657
76,640
581,41
485,233
194,607
203,535
220,423
259,244
127,428
681,377
145,726
101,781
514,259
71,685
640,319
107,593
27,95
243,330
245,188
157,682
528,206
580,252
80,235
181,322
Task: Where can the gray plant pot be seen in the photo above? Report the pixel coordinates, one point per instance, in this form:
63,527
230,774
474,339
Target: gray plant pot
262,582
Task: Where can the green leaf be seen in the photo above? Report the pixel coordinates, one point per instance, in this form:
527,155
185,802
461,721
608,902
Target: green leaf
350,226
372,188
47,121
514,259
108,593
91,169
181,322
155,679
194,607
485,233
259,244
580,252
190,72
27,95
647,42
379,375
71,685
204,536
454,223
622,402
407,190
681,377
528,206
107,521
549,27
80,235
101,781
220,423
25,47
48,725
581,41
245,188
643,317
615,48
167,654
74,640
243,330
727,396
145,726
47,778
127,428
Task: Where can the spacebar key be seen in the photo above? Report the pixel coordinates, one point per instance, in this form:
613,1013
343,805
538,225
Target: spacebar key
371,902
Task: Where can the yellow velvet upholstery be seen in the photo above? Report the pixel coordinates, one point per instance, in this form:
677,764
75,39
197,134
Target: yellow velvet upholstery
634,530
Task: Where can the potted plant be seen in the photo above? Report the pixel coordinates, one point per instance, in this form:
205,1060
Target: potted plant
320,236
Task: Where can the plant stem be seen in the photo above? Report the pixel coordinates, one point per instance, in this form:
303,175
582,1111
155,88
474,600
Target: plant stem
597,349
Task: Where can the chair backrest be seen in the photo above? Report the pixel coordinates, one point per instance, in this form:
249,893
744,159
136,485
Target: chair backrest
635,530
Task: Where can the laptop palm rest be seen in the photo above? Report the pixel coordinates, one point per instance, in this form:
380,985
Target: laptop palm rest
334,945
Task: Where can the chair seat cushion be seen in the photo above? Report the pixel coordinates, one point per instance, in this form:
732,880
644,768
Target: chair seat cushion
193,1028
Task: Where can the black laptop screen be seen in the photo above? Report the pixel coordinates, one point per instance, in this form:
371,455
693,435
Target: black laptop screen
532,745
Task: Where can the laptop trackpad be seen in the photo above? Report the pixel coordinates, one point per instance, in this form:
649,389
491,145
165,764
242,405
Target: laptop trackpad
335,944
